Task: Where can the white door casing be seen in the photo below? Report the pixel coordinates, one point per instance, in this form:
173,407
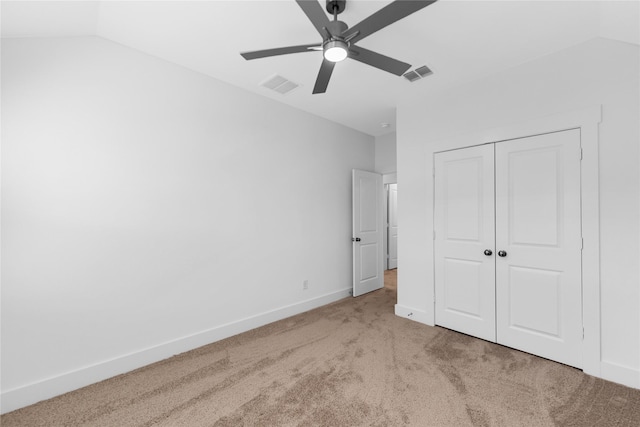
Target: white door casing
464,224
393,226
367,239
538,281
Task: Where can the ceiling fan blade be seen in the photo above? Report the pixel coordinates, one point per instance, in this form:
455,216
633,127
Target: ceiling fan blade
316,15
323,76
377,60
387,15
280,51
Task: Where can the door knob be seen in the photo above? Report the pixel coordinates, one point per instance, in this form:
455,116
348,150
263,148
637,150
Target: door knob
488,252
355,239
502,253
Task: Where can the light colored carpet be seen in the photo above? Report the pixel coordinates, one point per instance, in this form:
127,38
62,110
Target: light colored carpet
350,363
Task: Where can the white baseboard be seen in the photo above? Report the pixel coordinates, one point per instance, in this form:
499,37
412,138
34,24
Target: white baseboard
50,387
620,374
413,314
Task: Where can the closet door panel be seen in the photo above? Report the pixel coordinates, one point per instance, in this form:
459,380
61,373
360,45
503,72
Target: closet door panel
538,280
464,230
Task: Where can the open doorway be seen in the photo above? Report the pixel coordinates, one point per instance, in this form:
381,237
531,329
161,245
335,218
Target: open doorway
390,220
392,226
374,225
391,279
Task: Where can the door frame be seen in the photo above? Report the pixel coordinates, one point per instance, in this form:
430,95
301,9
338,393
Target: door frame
587,120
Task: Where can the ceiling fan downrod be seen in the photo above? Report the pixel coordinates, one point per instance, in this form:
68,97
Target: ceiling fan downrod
335,28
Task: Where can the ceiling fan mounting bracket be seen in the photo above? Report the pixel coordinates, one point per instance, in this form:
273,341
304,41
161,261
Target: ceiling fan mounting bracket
336,6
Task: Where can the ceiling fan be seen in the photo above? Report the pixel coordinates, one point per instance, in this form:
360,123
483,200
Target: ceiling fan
338,40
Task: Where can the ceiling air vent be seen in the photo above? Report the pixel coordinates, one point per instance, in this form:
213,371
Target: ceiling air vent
279,84
412,76
424,71
418,73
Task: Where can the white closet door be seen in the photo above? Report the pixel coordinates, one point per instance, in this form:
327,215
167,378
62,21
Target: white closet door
538,279
464,224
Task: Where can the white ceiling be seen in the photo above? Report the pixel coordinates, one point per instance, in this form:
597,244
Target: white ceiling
459,40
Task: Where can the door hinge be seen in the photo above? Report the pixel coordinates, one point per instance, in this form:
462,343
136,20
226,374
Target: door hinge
582,243
583,332
581,154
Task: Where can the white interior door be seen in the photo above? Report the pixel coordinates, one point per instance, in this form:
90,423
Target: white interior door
538,236
393,226
464,241
368,205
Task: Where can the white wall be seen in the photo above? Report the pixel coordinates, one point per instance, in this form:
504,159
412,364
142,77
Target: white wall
386,153
599,72
148,209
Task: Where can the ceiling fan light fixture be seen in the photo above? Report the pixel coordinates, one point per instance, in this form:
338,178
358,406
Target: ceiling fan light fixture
335,51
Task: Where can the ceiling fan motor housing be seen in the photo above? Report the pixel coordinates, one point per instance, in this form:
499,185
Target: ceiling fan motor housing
336,6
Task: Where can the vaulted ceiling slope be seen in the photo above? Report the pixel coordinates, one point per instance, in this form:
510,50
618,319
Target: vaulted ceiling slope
459,40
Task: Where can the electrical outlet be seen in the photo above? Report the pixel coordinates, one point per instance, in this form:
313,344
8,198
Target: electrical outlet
305,285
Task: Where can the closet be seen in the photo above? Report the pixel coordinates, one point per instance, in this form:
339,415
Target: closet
507,243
